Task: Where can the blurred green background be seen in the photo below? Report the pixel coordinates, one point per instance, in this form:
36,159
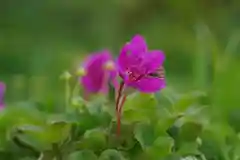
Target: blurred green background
39,39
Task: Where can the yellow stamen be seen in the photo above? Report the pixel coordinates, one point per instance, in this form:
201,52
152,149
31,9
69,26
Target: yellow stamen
109,66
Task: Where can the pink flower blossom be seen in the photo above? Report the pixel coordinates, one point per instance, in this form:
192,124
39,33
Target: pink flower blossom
99,69
140,69
136,65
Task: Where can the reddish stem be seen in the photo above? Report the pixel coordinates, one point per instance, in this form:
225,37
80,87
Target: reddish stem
119,95
119,113
122,103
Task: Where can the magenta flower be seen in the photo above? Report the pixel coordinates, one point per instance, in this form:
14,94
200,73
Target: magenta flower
99,69
140,69
2,91
137,66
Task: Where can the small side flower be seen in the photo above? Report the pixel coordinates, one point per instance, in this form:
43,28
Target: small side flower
97,71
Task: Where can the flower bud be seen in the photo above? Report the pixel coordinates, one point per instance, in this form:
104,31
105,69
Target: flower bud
66,75
81,71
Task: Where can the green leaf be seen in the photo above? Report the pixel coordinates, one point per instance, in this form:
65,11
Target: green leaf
211,145
89,121
144,133
236,152
187,100
216,139
62,118
82,155
226,93
27,158
94,107
46,155
131,116
234,119
172,156
190,158
41,137
29,128
139,107
140,101
164,123
58,132
189,131
21,115
34,141
59,126
111,154
161,148
94,139
125,141
104,119
188,148
167,96
32,136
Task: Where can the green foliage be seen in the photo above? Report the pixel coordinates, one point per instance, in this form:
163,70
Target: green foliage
88,131
195,118
82,155
169,125
139,107
111,154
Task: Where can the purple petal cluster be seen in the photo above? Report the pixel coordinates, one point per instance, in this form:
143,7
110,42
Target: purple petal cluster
99,70
140,69
136,65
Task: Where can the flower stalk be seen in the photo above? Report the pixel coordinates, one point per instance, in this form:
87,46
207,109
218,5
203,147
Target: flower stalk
120,98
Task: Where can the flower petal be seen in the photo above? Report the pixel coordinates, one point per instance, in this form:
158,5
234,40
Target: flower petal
92,84
95,77
2,106
113,79
149,84
138,44
154,59
132,52
100,57
123,58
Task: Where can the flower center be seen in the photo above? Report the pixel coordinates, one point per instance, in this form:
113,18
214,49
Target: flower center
109,65
133,76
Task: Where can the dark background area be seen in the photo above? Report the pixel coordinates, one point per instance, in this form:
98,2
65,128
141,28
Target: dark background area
39,39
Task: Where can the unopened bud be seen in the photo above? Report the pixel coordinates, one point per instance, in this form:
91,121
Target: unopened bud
66,75
199,141
81,71
109,65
